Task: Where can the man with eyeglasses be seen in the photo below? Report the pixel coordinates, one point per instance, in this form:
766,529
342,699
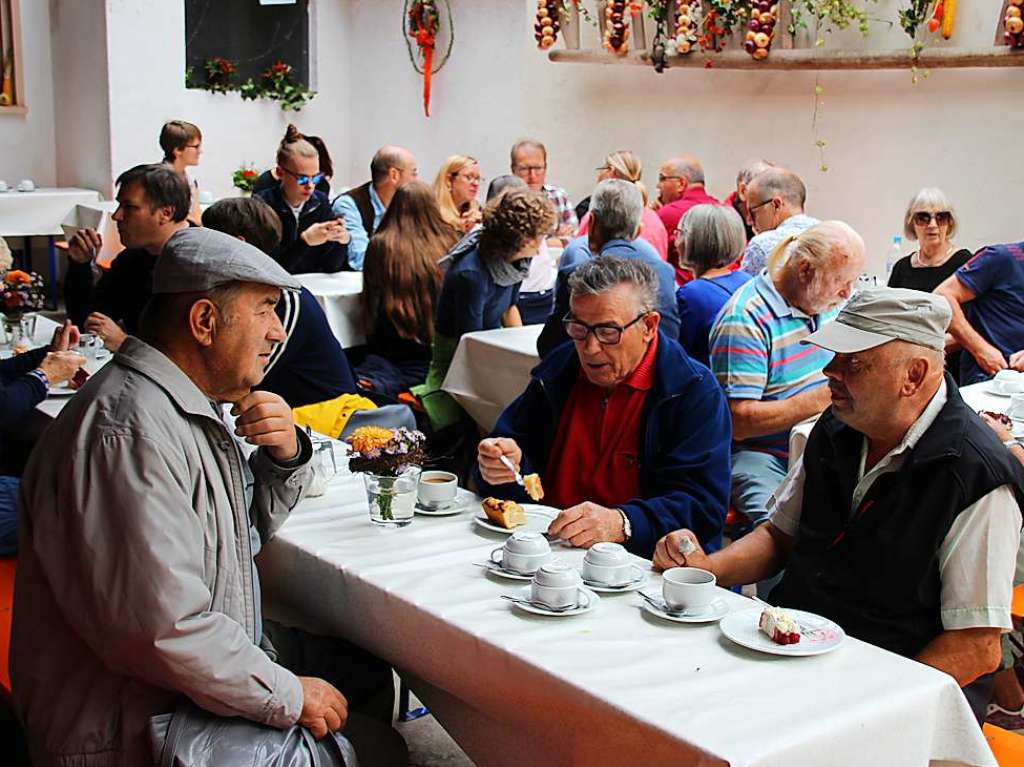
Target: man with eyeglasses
529,161
362,208
616,208
680,187
630,436
987,298
775,210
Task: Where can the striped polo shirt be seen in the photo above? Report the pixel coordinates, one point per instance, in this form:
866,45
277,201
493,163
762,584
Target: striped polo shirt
756,353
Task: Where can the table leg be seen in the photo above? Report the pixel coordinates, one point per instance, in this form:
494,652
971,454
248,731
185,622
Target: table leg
51,255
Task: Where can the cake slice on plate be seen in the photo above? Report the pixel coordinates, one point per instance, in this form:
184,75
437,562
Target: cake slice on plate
507,514
779,626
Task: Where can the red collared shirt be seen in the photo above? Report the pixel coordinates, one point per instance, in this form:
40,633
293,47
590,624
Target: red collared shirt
596,453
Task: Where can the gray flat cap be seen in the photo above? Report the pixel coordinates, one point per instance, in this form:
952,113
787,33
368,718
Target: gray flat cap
198,259
875,316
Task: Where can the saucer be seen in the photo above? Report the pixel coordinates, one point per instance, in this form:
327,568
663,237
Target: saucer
713,612
588,601
639,578
819,635
459,505
60,391
496,569
537,520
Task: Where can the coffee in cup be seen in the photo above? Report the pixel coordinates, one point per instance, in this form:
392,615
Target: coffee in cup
688,588
607,564
556,585
524,552
436,489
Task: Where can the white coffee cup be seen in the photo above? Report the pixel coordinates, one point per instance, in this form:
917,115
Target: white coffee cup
1008,382
556,585
688,588
26,185
607,564
1016,408
524,552
436,488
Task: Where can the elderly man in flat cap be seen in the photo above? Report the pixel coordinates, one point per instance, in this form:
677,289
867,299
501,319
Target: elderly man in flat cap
901,521
137,595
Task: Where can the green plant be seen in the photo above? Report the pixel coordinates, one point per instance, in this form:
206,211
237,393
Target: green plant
276,83
829,15
914,15
244,178
220,73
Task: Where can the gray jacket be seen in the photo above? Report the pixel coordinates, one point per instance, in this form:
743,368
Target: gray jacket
135,581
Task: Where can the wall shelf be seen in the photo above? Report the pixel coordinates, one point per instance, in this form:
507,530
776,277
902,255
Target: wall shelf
811,59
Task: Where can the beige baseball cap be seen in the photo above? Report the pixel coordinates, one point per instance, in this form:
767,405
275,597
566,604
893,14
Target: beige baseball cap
876,316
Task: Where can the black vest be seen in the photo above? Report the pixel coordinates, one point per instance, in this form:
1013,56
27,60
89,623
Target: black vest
875,570
361,196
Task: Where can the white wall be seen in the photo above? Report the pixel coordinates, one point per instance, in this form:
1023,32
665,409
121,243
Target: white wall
26,140
81,92
886,136
147,65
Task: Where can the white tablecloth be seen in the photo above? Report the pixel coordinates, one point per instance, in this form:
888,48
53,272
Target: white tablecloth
613,686
38,213
977,396
490,369
338,294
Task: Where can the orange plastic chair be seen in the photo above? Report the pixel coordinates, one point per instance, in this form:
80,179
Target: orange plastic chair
1017,605
1007,747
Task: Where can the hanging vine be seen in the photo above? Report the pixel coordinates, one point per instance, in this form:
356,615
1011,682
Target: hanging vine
421,21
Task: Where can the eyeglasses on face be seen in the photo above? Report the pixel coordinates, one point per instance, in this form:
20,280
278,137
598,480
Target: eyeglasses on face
752,208
192,146
662,177
924,217
530,169
303,179
606,333
470,177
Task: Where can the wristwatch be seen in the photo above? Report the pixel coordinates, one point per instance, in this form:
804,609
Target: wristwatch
627,529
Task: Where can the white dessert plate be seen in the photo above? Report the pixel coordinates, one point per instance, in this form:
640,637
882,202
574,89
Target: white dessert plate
713,612
62,390
817,635
588,601
638,577
537,519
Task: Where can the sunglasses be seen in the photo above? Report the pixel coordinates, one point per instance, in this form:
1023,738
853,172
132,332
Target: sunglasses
606,333
303,180
942,218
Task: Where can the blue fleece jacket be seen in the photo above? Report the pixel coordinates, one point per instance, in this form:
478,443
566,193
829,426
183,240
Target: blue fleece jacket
685,465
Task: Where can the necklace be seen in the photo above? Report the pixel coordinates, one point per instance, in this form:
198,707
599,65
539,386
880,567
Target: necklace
917,261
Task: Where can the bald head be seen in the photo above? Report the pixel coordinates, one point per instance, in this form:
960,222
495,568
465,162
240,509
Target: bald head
687,166
388,157
781,184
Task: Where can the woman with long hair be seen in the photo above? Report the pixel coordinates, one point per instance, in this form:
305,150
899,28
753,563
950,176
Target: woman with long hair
456,186
625,165
401,281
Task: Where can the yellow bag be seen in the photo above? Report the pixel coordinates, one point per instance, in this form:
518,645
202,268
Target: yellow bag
330,417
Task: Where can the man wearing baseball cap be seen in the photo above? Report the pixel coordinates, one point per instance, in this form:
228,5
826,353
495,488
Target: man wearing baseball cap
901,521
137,592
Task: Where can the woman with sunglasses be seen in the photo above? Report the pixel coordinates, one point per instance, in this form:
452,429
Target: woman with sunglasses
313,239
929,220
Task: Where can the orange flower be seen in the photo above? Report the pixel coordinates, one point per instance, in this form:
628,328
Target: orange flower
368,438
17,277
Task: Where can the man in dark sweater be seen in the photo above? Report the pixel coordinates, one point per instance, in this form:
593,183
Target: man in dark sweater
901,522
153,203
309,365
363,207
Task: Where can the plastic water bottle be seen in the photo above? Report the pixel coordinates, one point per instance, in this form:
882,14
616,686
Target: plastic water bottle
895,254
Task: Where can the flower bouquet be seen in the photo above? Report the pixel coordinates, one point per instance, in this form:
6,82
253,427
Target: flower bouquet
244,178
389,461
21,293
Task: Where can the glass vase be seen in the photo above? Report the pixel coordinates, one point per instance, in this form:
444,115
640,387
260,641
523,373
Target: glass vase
19,331
391,498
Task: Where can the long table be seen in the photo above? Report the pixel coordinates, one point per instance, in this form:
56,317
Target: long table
613,686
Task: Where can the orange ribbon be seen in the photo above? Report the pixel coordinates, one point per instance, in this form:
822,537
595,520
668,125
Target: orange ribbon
426,41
